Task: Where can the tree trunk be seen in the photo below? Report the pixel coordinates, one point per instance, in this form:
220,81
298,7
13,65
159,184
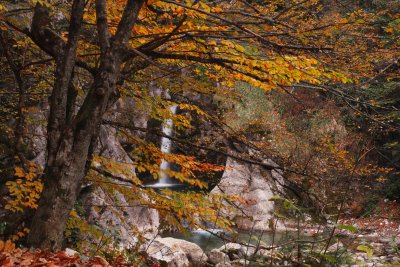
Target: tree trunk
62,184
69,138
65,173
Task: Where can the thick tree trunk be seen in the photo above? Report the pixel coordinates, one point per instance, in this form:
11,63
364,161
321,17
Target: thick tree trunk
61,189
65,173
67,142
67,159
70,138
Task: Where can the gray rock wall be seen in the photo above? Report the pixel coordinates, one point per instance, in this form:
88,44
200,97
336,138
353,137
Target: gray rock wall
250,182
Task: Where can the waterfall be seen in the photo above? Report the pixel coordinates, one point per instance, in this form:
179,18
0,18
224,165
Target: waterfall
166,144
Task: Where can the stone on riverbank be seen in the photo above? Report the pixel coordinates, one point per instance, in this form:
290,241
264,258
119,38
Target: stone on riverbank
176,252
216,256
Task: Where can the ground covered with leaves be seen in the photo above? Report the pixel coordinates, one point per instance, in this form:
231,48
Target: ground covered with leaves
12,256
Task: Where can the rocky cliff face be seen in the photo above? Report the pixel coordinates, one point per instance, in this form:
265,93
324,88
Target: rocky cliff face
127,218
116,212
253,183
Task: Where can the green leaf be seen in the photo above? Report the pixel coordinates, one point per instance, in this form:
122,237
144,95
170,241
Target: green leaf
348,227
366,249
329,258
288,204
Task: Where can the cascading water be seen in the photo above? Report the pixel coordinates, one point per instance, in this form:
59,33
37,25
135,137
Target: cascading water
166,144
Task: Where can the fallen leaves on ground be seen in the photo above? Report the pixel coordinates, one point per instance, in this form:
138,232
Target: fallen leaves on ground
384,220
11,256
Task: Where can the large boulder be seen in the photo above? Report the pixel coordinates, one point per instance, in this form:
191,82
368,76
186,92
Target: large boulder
166,256
176,252
216,256
250,182
237,251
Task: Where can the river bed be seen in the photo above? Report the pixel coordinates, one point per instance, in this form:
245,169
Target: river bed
210,239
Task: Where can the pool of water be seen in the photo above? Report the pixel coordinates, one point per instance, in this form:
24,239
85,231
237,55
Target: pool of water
210,239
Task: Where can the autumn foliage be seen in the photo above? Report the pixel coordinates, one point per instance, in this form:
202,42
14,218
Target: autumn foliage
73,62
12,256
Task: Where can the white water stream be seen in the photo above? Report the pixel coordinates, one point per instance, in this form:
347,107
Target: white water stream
166,144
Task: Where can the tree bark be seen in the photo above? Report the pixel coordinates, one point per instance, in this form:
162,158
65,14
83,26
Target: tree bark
63,177
69,137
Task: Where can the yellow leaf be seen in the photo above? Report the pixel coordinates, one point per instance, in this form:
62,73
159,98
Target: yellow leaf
19,172
389,30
